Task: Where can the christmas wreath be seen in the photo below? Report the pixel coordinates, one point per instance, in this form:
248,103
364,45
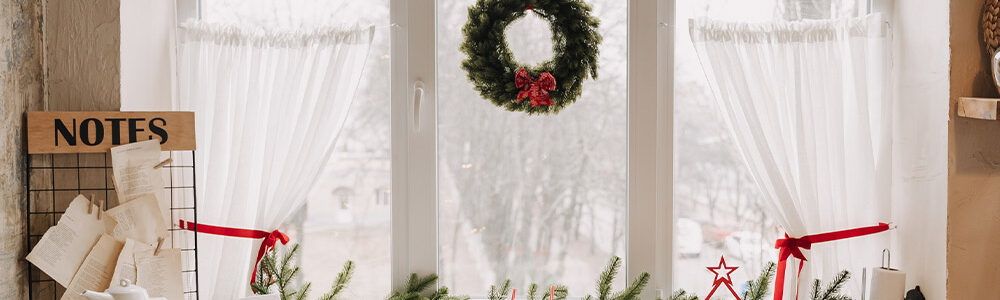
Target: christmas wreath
546,87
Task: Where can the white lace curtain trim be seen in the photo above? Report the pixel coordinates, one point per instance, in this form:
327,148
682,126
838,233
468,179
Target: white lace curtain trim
703,29
241,34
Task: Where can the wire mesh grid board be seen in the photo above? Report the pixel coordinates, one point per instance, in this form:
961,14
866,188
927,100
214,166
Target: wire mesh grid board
55,179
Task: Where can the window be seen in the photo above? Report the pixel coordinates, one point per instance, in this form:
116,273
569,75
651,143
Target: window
530,198
479,194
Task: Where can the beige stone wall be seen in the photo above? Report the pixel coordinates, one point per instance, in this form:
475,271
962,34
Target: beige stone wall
973,166
20,90
69,63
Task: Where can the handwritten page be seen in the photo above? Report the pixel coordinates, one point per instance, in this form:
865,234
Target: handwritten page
64,247
96,271
125,267
135,176
138,219
160,274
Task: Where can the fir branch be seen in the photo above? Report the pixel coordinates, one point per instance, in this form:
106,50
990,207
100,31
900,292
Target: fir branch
832,290
633,290
501,293
532,289
683,295
815,294
760,287
417,284
607,276
340,283
560,293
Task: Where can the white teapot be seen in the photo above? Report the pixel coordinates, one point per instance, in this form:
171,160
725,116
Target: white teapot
125,290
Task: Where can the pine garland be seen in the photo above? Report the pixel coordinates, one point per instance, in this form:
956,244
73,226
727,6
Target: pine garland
503,291
490,64
608,275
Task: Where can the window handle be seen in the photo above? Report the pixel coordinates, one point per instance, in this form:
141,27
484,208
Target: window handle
418,95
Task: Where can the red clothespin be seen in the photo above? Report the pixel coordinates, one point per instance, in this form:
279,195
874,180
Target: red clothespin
512,294
552,290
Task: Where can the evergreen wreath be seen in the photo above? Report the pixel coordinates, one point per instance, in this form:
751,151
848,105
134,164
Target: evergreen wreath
548,86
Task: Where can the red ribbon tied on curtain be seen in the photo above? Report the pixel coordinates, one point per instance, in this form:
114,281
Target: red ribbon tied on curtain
536,90
792,247
270,238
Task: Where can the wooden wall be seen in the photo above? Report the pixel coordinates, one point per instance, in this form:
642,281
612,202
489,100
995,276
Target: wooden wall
973,166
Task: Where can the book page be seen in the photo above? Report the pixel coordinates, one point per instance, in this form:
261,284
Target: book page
96,271
138,219
64,247
135,176
160,274
125,266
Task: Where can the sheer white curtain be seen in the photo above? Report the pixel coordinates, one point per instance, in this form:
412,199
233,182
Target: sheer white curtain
809,107
268,108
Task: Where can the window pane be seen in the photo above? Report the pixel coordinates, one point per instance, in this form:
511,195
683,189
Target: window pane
531,198
716,202
346,216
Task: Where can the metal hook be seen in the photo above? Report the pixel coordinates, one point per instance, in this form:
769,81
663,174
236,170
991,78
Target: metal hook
886,259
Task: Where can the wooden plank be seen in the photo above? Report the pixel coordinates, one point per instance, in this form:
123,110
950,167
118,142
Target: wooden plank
98,131
977,108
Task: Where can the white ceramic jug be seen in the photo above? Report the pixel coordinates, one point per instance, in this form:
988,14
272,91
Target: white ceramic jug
125,290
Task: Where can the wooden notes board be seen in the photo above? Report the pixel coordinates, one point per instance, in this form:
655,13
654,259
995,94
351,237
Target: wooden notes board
98,131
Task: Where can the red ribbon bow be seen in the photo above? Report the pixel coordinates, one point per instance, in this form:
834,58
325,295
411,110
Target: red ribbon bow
537,90
270,238
791,247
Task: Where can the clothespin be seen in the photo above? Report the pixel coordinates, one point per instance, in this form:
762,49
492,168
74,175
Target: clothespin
90,206
512,294
159,243
163,163
552,290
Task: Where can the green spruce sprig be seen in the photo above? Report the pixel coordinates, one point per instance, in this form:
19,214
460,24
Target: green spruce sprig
416,286
342,279
499,293
273,270
608,275
683,295
832,290
759,288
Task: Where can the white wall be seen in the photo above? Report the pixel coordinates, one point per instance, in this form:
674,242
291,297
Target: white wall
920,149
147,54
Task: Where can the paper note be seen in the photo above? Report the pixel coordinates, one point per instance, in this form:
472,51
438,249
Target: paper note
135,176
125,266
160,274
64,247
96,271
139,219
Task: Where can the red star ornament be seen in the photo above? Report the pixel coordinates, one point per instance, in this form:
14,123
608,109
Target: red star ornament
722,272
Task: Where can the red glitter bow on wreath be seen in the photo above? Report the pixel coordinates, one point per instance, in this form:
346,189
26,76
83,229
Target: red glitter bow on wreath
537,90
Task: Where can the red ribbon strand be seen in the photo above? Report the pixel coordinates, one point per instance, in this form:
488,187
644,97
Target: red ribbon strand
537,90
791,247
270,238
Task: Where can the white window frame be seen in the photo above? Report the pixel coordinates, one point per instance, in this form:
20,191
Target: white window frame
650,137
